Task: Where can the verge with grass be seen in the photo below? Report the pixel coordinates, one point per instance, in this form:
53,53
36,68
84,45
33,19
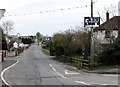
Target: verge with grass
45,51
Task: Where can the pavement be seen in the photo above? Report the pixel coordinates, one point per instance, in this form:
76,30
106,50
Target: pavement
104,71
35,68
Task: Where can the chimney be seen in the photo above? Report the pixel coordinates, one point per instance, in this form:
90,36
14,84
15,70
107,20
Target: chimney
107,16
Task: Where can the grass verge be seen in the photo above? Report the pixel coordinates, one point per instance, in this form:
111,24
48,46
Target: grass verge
45,51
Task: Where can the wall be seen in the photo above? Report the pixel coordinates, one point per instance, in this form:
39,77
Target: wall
100,36
119,8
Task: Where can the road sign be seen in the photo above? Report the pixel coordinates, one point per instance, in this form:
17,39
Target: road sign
91,21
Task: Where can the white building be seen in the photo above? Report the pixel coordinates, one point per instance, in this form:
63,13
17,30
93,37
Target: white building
107,32
2,11
119,8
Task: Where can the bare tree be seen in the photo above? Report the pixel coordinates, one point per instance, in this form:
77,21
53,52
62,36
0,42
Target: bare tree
112,9
7,27
38,35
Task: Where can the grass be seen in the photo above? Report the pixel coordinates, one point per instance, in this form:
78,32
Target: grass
45,51
104,67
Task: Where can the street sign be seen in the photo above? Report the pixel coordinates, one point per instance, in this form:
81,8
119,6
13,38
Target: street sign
91,21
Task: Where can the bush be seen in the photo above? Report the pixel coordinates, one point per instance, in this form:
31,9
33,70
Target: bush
27,40
59,50
52,51
111,54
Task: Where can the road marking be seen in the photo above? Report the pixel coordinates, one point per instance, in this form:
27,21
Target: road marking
82,82
56,71
50,65
61,75
3,72
71,72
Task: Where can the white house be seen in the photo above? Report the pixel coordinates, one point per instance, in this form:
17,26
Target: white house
108,31
2,11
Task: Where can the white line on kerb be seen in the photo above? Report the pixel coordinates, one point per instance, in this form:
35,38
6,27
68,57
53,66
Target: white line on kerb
82,82
3,72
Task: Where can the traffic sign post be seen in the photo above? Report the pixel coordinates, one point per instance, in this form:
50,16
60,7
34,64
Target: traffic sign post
91,21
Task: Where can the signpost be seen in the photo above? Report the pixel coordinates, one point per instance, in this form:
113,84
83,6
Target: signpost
91,21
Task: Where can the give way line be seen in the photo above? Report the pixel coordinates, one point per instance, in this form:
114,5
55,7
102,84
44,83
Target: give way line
3,72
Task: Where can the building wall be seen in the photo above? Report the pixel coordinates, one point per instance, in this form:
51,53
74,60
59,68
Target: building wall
2,11
119,8
100,36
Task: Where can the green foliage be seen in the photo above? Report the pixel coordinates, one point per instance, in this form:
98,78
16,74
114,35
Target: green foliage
59,50
45,51
38,36
52,50
111,54
27,40
71,42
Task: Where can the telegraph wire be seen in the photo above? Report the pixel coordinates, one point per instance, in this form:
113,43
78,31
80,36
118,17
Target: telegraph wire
47,11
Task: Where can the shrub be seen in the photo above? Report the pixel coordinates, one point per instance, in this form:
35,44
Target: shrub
111,54
59,50
52,51
27,40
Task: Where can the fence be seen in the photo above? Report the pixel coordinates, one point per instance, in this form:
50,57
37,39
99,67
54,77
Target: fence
81,63
3,54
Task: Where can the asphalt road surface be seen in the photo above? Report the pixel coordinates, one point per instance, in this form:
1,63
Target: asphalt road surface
35,68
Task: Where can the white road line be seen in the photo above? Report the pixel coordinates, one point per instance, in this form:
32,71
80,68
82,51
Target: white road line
82,82
56,71
3,72
61,75
50,65
66,72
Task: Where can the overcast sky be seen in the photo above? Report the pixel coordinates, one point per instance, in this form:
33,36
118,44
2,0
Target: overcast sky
50,16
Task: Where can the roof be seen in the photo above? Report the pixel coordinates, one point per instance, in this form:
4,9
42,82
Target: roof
113,23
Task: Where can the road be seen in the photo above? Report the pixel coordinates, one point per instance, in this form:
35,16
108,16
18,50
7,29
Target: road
35,68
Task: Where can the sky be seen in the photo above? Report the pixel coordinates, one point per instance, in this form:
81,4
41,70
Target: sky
51,16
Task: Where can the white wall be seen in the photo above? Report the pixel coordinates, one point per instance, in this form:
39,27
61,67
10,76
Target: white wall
100,36
2,11
119,8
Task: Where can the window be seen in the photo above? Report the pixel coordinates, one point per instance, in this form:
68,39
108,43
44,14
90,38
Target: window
107,34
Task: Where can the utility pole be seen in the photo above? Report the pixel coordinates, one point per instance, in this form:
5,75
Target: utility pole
91,8
92,39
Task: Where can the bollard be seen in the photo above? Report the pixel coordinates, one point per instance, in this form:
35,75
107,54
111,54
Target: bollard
2,56
5,54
